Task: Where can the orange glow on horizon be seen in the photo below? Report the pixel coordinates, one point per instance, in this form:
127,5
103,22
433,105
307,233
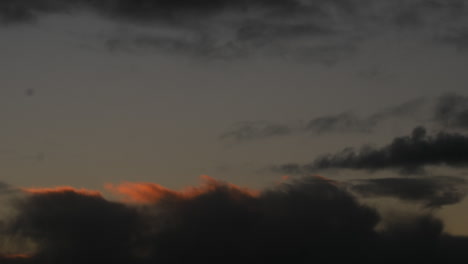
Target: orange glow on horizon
144,192
62,189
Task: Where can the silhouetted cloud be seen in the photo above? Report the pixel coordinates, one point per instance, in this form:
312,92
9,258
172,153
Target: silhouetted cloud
312,219
74,227
407,154
256,130
452,111
431,191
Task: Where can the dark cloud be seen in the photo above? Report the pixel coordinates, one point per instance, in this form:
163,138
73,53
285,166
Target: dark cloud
154,10
417,13
407,154
451,111
318,30
255,130
430,191
312,219
74,227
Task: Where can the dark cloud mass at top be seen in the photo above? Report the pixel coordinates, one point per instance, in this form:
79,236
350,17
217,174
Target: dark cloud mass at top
326,31
309,220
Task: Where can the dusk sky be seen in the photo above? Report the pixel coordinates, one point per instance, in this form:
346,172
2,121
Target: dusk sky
266,104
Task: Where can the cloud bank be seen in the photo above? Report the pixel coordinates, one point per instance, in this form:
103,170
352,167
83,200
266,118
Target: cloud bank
312,219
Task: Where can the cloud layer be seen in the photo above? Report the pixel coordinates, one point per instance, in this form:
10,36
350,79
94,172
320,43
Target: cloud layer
312,219
326,31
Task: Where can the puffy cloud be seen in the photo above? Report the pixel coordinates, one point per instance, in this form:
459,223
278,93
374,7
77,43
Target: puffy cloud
71,226
311,219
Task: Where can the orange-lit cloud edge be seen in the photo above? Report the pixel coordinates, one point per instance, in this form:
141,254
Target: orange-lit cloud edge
138,193
142,193
147,192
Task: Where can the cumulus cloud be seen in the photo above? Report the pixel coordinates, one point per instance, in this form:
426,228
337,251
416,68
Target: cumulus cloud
407,154
75,227
311,219
430,191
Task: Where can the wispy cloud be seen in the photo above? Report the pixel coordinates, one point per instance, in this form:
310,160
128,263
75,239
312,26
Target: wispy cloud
246,131
324,31
451,111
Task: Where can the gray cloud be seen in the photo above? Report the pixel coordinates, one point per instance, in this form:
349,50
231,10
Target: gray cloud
346,122
255,130
350,122
317,30
430,191
406,154
451,111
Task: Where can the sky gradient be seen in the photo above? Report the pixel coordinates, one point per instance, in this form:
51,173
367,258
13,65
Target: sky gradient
123,99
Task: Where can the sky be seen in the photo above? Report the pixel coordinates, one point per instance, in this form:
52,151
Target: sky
268,112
